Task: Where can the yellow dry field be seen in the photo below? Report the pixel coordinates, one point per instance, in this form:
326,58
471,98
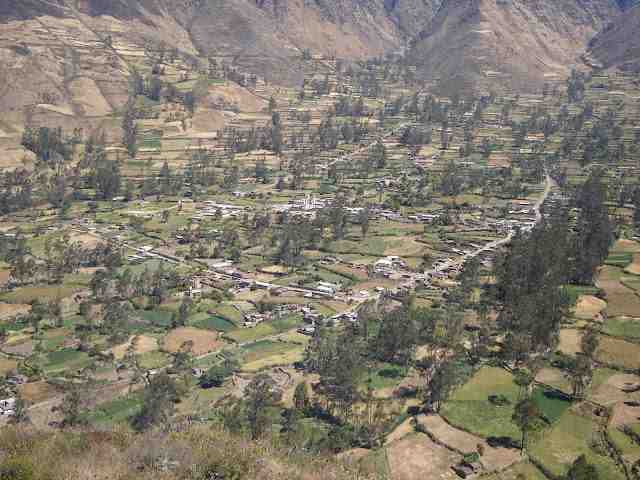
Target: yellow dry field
141,344
14,157
621,301
204,341
570,341
36,392
554,377
207,121
283,358
459,440
4,276
401,431
88,98
618,352
7,365
589,307
634,266
417,457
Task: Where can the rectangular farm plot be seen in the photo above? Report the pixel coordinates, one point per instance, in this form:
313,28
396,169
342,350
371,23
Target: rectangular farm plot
267,353
618,352
469,407
569,438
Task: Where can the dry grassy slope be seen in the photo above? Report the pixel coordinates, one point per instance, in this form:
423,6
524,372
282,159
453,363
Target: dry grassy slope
526,41
618,45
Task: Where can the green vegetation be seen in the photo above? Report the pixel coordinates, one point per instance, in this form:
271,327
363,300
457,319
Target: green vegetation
470,408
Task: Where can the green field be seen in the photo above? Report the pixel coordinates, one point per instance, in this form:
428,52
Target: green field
212,322
160,318
62,360
622,327
264,329
385,375
569,438
552,408
115,411
619,259
470,408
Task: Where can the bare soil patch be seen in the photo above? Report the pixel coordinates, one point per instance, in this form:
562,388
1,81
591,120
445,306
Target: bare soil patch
142,344
234,95
589,307
402,430
12,310
353,456
207,120
570,341
88,98
417,457
36,392
621,301
634,266
492,459
22,348
611,391
619,352
204,341
7,365
554,377
624,414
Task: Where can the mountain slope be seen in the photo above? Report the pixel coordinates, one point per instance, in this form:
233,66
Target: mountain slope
517,42
618,45
46,45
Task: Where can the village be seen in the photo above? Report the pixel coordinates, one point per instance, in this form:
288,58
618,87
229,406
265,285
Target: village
248,226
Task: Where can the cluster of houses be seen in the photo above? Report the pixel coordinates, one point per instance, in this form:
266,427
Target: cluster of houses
389,264
7,407
221,210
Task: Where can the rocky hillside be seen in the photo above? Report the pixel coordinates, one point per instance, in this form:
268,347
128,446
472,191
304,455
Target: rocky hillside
618,45
517,42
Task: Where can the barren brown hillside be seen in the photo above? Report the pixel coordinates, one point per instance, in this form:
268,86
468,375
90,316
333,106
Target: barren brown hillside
618,45
518,42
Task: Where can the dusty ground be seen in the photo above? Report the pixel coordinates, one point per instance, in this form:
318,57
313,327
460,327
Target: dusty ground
634,266
11,310
619,352
611,391
554,377
570,341
624,414
88,98
353,456
204,341
24,348
232,94
402,430
589,307
36,392
492,459
7,365
143,344
417,457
